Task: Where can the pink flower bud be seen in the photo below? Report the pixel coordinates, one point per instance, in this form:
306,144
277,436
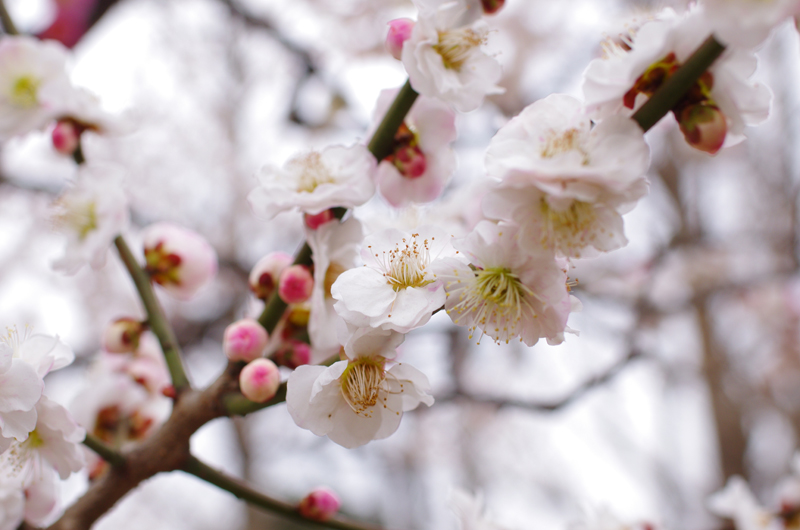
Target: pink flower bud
66,136
410,161
315,221
296,284
319,505
292,353
265,274
704,127
178,259
399,32
259,380
122,335
244,340
490,7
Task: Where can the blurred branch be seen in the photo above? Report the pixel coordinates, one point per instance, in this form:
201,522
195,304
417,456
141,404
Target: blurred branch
244,492
5,18
105,452
155,317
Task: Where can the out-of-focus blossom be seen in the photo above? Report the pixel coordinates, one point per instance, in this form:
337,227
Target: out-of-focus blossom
334,251
259,380
563,181
320,504
628,75
746,23
178,259
122,335
504,292
421,160
444,60
91,213
244,340
20,390
359,399
469,511
264,275
316,220
295,284
71,21
396,289
399,32
316,181
32,76
738,503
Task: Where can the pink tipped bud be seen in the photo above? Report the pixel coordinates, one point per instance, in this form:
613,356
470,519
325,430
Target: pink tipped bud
410,161
265,274
292,353
399,32
259,380
122,335
319,505
490,7
296,284
315,221
703,126
66,136
244,340
178,259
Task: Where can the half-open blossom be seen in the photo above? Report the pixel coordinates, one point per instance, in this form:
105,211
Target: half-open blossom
316,181
29,67
122,335
359,399
320,504
178,259
91,213
503,292
399,32
444,59
396,289
265,273
566,182
622,80
244,340
746,23
421,161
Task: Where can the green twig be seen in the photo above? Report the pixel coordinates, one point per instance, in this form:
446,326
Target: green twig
5,18
156,319
246,493
238,405
104,451
678,84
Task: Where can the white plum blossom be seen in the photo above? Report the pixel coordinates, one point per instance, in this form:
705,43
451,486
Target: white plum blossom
622,80
316,181
396,288
504,292
422,160
358,399
92,212
443,56
334,249
746,23
738,503
32,76
563,181
469,510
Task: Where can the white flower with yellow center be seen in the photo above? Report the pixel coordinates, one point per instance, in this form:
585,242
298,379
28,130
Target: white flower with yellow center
502,292
91,214
564,182
316,181
444,60
32,76
361,398
395,289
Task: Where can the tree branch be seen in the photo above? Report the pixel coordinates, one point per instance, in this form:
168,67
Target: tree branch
103,451
5,18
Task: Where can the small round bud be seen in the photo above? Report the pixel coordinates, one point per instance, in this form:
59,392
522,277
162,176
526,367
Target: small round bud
259,380
703,126
296,284
315,221
399,32
319,505
122,335
292,353
66,136
244,340
410,161
265,274
178,259
490,7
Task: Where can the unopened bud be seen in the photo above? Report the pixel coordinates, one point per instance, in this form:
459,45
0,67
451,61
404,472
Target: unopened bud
244,340
178,259
490,7
317,220
259,380
399,32
703,126
122,335
66,136
265,274
296,284
292,353
319,505
410,161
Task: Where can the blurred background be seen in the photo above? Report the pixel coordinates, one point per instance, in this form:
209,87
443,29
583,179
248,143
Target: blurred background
687,368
